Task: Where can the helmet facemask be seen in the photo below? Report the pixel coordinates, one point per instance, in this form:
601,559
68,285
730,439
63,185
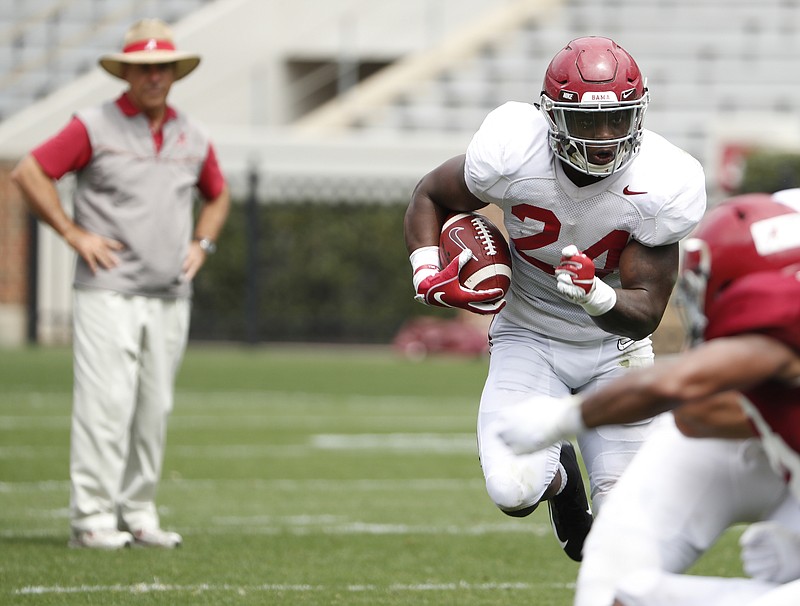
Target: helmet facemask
582,134
691,289
741,236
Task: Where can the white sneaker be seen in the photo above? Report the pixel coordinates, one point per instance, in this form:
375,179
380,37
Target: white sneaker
155,537
106,538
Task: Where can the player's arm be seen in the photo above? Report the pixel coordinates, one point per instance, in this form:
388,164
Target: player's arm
720,365
647,277
718,416
731,363
438,193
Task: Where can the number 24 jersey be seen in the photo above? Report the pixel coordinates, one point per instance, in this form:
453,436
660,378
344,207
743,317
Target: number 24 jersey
656,200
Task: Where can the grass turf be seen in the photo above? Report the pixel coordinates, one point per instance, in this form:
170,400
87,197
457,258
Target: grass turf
297,475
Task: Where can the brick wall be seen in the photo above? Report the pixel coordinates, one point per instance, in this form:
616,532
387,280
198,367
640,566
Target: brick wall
13,241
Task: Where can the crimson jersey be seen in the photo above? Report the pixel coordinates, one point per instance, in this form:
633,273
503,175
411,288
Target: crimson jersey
767,303
656,200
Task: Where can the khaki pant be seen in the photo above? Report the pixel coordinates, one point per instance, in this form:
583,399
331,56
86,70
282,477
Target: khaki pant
127,351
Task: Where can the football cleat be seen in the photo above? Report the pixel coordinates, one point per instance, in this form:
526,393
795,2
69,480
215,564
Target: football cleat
100,539
570,514
155,537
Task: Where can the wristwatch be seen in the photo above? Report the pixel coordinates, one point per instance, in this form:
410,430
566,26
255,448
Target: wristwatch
207,245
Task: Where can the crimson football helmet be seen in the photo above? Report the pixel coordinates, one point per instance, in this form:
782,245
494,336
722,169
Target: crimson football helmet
594,99
742,235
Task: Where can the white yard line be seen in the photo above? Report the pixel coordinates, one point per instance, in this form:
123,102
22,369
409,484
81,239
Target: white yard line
362,485
430,443
427,442
139,588
325,524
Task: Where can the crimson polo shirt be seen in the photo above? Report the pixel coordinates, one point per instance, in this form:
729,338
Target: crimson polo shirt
135,186
70,150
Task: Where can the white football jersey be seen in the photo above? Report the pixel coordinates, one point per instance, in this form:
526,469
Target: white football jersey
656,200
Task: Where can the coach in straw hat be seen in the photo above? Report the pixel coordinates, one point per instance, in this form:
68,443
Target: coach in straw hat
149,42
138,162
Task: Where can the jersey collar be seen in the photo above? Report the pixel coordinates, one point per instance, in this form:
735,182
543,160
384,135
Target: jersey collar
588,191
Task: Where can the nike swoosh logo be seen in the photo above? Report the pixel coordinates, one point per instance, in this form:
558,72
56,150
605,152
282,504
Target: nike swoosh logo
630,192
456,238
438,296
624,343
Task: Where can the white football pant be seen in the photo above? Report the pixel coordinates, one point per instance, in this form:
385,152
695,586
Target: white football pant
673,502
523,363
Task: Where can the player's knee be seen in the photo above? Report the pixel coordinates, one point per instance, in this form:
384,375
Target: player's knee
508,493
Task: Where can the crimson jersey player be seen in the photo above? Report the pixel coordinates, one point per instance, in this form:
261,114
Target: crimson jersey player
594,206
740,288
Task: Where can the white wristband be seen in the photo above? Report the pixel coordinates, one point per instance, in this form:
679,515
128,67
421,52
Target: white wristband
600,299
425,262
572,420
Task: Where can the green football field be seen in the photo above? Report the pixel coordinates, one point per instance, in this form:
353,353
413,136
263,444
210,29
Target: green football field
297,476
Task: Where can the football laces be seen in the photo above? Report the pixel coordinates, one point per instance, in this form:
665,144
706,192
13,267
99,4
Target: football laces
484,236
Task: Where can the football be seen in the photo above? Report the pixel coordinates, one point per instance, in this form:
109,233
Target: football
490,266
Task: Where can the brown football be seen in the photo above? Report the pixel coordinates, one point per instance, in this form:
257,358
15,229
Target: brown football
490,266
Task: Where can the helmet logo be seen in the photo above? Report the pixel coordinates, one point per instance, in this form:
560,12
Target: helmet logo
627,93
567,95
598,97
776,234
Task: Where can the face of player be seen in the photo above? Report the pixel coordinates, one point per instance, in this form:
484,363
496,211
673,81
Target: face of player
597,126
149,86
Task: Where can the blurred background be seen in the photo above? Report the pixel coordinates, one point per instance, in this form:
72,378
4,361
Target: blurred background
325,114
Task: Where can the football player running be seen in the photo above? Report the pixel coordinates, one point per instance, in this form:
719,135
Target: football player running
740,287
594,206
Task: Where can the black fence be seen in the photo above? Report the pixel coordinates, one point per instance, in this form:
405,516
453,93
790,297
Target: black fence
333,272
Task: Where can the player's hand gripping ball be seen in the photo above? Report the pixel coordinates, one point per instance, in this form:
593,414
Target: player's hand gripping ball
490,264
477,267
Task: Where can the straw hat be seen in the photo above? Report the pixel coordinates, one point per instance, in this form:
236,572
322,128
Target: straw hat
149,41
